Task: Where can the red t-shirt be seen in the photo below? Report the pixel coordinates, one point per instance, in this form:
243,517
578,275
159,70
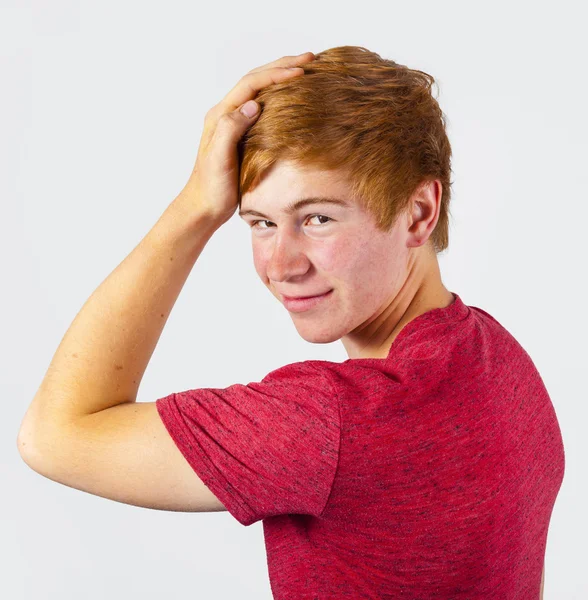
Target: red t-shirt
429,474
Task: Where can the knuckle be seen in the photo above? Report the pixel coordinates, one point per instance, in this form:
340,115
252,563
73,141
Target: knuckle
280,62
226,120
210,113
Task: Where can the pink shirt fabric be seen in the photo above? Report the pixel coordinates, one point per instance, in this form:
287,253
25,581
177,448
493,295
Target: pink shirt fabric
429,474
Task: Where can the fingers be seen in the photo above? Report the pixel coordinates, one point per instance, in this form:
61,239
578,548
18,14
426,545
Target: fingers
248,87
229,130
254,81
287,61
245,90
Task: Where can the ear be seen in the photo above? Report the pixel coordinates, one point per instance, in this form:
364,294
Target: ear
424,212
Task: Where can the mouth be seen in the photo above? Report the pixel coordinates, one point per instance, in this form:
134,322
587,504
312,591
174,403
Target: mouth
300,304
304,297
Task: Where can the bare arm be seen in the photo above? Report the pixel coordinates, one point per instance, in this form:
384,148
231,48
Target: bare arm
542,582
102,357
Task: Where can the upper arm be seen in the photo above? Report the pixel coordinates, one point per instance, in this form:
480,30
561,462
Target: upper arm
123,453
542,582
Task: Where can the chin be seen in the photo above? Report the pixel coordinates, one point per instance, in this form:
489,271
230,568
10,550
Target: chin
320,337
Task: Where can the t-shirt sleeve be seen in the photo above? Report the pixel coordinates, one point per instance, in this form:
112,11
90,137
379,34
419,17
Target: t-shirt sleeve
266,448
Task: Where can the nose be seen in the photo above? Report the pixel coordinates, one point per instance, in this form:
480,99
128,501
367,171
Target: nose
288,258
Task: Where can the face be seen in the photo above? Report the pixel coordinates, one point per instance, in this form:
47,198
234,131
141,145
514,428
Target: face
324,247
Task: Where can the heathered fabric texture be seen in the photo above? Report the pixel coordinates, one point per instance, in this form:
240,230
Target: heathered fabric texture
430,474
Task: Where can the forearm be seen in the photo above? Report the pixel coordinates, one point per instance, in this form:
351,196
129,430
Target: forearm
102,357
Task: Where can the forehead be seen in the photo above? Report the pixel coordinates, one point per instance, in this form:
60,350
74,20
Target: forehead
288,187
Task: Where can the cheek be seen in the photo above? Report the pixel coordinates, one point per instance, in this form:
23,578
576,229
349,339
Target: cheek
348,257
369,268
355,261
329,259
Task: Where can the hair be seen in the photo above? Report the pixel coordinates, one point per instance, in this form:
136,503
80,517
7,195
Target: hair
352,111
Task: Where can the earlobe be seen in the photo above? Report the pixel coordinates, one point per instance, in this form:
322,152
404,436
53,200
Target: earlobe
420,224
417,242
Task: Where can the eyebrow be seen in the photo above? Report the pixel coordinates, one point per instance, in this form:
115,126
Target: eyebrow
298,204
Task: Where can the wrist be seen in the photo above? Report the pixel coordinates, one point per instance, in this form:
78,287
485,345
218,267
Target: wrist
182,230
191,205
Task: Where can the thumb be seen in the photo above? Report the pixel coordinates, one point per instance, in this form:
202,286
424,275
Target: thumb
249,109
230,128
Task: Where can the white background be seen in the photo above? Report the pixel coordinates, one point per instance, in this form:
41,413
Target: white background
101,110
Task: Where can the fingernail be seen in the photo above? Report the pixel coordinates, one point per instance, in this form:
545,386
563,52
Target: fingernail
249,109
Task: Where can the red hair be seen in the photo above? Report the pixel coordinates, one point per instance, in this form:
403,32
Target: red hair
373,119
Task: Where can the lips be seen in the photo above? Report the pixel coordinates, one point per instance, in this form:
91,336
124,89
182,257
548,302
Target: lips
305,303
304,297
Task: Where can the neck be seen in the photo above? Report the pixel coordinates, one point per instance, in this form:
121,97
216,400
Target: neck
421,292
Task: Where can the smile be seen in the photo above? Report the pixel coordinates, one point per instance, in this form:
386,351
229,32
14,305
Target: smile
302,304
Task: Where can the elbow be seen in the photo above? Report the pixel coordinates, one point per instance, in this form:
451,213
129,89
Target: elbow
27,443
24,444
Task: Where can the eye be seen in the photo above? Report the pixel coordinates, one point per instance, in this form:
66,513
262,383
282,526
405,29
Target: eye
322,217
255,226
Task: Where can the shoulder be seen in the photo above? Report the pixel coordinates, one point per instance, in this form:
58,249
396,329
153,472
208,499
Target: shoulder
307,371
309,382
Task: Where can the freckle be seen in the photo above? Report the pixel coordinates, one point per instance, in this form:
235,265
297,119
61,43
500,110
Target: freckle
118,367
162,314
74,355
171,258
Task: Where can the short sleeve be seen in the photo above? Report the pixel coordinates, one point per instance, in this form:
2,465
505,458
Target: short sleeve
264,449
